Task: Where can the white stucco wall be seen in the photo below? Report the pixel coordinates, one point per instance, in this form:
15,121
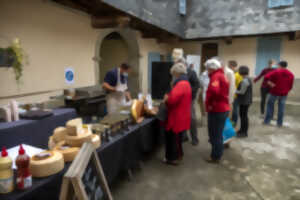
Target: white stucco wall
55,37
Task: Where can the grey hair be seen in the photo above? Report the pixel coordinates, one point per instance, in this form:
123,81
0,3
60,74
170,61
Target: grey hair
179,68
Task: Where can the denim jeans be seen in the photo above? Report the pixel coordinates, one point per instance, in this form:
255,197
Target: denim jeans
264,94
235,111
216,123
270,109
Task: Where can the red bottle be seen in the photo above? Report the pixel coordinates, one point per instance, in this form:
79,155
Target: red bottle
24,178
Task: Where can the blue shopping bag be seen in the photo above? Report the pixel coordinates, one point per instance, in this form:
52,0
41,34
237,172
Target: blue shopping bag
228,132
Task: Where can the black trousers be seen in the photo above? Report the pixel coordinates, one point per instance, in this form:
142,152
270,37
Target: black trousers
264,94
173,145
244,119
216,124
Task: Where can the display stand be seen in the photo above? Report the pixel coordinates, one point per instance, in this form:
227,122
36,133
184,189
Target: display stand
85,178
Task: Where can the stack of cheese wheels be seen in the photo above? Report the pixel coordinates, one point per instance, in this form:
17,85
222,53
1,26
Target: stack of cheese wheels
51,143
59,135
46,164
137,109
68,152
77,135
74,127
95,139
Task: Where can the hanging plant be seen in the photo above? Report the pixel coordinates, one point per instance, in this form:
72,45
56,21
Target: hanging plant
13,56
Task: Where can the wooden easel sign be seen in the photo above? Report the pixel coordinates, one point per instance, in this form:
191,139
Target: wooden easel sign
85,178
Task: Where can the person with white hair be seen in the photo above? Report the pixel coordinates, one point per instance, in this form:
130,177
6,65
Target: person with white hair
178,103
229,74
217,106
195,85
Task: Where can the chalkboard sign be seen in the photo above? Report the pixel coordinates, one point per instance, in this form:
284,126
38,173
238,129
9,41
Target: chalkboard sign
85,179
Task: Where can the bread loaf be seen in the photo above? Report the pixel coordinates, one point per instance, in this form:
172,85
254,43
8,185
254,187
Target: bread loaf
59,134
68,152
46,163
74,127
78,140
95,139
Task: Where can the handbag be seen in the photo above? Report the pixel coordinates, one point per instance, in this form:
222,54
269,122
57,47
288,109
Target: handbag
162,113
228,132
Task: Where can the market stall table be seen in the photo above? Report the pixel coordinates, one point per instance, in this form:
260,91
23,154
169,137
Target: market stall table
121,153
34,132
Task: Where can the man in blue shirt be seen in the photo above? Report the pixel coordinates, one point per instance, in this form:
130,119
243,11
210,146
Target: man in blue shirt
115,83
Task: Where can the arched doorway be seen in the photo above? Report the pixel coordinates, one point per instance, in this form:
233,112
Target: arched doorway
125,40
113,52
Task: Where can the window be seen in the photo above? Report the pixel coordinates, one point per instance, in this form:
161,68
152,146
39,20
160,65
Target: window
280,3
182,7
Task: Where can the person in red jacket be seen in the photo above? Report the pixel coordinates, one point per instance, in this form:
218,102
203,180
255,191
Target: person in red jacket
281,82
178,103
264,89
217,106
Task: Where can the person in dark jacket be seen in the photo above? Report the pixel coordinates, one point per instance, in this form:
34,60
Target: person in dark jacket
244,99
264,89
217,106
281,82
195,84
178,103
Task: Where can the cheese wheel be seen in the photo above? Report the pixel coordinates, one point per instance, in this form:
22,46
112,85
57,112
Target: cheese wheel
51,143
74,127
137,109
78,140
46,164
59,134
68,152
95,139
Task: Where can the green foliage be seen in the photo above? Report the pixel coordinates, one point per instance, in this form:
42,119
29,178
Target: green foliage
17,54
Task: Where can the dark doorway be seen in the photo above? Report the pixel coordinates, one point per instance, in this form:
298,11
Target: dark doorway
209,50
161,79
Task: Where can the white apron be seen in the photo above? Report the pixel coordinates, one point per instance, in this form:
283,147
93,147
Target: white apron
115,100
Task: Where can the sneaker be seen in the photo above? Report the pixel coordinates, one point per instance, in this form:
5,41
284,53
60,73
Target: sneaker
226,145
242,135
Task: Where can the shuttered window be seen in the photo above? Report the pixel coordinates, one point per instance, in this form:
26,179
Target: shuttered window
182,7
280,3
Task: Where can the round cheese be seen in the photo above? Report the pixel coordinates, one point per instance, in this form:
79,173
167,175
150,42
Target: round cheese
59,134
51,143
137,109
68,152
78,140
95,139
74,127
46,164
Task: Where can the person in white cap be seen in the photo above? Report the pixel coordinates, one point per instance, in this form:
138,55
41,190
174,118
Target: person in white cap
217,106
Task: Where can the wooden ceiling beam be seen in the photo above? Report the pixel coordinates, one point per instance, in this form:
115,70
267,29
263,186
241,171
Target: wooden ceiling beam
110,21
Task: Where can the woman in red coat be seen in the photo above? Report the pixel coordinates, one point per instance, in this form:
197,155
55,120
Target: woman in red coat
178,103
217,106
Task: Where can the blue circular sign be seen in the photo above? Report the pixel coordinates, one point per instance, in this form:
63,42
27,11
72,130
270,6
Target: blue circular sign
69,75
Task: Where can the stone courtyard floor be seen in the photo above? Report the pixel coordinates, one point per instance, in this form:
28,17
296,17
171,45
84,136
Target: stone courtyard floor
265,166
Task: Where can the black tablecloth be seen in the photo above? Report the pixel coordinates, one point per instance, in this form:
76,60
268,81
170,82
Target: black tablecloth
34,132
121,153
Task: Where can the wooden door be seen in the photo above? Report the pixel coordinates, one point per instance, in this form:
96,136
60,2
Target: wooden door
209,50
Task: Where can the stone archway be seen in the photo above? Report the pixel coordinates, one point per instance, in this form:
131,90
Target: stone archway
130,37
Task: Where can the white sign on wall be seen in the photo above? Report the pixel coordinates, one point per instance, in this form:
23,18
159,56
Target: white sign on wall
195,60
69,75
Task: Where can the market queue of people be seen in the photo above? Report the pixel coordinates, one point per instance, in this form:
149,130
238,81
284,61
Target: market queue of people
224,89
